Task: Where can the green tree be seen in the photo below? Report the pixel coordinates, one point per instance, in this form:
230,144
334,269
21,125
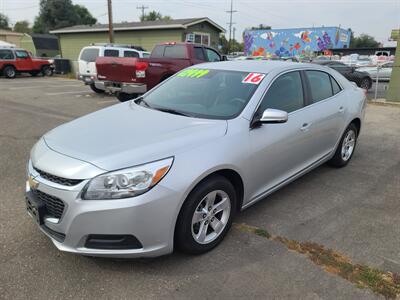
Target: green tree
363,41
154,16
234,47
4,22
22,27
55,14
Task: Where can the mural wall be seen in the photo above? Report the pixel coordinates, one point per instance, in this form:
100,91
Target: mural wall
295,41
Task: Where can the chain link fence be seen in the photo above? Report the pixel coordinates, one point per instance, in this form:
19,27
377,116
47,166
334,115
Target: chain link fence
381,80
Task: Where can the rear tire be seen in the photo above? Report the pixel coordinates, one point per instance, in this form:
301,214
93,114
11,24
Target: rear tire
206,216
9,72
366,83
346,147
95,89
126,97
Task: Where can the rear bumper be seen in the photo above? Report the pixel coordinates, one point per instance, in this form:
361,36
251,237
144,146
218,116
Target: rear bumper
87,79
121,87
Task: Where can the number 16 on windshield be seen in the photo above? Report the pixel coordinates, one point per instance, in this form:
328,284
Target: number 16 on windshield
253,78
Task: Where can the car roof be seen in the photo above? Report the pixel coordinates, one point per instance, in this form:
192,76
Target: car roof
263,66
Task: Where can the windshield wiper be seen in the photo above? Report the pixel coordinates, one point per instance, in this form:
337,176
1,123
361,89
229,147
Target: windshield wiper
173,111
141,100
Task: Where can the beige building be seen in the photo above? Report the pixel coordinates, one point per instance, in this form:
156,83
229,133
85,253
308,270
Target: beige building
10,37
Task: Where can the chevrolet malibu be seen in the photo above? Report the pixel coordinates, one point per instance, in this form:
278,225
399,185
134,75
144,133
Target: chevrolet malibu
171,169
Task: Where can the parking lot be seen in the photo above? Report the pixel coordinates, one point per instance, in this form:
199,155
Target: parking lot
353,211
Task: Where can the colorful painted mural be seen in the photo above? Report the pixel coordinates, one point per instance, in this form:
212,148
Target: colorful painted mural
295,41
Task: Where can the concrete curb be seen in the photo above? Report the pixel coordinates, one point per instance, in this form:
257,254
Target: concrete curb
383,101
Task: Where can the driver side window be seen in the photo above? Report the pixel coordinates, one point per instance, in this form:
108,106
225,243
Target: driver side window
285,93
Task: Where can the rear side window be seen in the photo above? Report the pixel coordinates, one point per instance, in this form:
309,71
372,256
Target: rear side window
21,54
111,53
175,51
158,51
6,54
90,54
131,54
285,93
320,85
335,86
199,53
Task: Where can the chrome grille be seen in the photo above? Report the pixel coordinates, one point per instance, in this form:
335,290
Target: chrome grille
54,206
57,179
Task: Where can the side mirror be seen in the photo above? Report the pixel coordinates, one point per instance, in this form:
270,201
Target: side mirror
271,116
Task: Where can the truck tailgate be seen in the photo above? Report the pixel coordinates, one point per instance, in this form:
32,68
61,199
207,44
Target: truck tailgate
119,69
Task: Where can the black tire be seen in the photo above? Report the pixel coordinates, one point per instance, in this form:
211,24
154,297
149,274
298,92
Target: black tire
47,71
34,73
338,161
184,240
9,72
125,97
366,83
95,89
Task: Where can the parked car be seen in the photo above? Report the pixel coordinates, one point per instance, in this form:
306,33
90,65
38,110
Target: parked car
362,79
87,60
385,71
17,60
127,77
171,168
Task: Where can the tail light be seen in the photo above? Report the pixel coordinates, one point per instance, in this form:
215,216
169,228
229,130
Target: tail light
141,67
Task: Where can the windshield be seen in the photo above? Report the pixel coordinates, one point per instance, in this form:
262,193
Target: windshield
204,93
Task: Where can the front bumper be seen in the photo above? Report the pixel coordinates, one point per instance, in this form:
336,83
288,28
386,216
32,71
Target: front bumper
121,87
150,218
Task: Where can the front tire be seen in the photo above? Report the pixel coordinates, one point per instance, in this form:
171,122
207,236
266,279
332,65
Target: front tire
9,72
95,89
206,216
346,147
47,71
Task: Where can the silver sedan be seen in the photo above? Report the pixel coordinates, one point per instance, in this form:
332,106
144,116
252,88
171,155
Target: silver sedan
171,168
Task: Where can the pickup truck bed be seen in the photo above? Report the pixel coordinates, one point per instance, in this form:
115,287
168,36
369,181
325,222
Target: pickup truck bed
128,77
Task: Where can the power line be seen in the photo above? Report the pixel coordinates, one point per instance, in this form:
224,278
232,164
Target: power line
230,12
142,8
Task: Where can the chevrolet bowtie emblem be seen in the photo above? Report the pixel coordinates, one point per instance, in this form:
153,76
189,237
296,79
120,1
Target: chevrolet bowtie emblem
33,184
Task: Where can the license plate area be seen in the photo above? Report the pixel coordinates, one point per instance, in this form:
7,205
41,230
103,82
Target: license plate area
35,208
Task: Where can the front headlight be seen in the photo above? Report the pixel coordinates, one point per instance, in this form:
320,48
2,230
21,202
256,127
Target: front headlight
128,182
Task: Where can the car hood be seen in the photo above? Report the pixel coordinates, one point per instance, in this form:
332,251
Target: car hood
127,134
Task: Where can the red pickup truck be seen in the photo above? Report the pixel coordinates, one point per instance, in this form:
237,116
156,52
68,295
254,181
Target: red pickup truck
14,61
128,77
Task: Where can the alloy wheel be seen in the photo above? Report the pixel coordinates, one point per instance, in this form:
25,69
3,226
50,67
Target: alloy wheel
348,145
211,217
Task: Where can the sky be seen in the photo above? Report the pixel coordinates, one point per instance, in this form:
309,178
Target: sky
374,17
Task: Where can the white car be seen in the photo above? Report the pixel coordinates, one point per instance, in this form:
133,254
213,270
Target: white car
87,60
382,71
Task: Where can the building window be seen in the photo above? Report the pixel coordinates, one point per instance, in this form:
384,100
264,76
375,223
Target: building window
200,38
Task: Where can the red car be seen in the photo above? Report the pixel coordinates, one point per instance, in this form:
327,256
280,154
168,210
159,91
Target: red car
15,60
129,77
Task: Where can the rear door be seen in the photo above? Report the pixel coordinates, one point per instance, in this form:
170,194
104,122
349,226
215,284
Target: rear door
6,55
87,61
325,112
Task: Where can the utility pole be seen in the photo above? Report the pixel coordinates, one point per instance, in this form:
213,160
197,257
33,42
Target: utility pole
142,8
233,39
110,22
230,12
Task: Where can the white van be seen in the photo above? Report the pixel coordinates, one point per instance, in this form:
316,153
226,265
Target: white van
87,59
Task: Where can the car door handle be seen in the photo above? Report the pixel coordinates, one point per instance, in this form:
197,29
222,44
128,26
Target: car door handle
341,109
305,126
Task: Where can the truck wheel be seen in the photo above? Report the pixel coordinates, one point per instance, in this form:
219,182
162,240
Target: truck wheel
95,89
9,72
125,97
47,71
